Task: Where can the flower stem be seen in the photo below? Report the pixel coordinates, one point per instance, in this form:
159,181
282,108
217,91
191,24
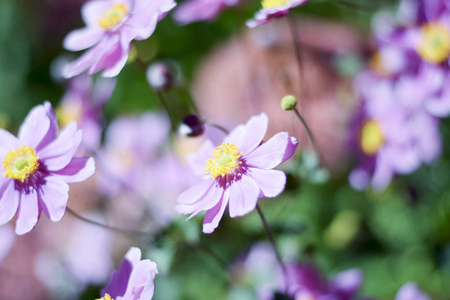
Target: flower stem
112,228
274,246
162,99
311,136
298,57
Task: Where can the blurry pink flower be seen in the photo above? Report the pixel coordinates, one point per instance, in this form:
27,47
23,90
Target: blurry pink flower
111,26
83,103
38,165
239,171
134,280
273,9
201,10
411,291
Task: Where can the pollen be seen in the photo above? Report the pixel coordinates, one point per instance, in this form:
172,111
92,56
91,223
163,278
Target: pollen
21,163
435,43
113,17
266,4
106,297
371,138
225,160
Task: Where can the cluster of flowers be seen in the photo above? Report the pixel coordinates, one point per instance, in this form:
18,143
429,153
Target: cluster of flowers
404,91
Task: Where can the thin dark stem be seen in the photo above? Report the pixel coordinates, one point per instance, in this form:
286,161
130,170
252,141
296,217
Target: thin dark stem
162,99
217,126
108,227
311,136
274,246
294,34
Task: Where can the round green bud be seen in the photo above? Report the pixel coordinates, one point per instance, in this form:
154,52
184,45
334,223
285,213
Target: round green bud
288,102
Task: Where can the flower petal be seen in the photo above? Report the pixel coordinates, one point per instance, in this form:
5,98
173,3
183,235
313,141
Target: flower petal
59,153
209,201
79,169
82,38
346,283
143,275
86,60
411,291
214,215
54,195
92,11
28,214
271,182
8,142
243,196
196,192
53,130
273,152
252,135
197,161
9,202
35,127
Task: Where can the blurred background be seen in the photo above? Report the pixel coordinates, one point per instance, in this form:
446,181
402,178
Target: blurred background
396,234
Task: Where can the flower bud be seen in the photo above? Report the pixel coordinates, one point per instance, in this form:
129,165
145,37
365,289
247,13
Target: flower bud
191,126
288,102
160,76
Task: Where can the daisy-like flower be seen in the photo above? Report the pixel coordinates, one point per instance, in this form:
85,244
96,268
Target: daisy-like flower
273,9
111,26
238,172
37,167
134,280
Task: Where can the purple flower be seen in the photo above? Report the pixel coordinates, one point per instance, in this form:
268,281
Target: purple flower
83,102
273,9
411,291
134,280
201,10
391,138
111,26
38,165
304,279
238,172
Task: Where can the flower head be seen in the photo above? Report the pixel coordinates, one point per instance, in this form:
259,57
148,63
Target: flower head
273,9
238,172
111,26
37,167
134,280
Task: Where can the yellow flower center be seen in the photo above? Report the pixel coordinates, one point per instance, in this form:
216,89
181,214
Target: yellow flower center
371,138
106,297
113,17
21,163
67,113
225,159
435,43
273,3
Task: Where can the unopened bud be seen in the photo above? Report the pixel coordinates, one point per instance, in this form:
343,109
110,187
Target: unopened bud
160,76
191,126
288,102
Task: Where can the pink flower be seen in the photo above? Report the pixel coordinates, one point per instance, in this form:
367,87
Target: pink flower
239,171
201,10
273,9
38,165
111,26
134,280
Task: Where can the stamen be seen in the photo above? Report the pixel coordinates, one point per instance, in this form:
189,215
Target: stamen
435,43
21,163
273,3
371,138
113,17
225,160
106,297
